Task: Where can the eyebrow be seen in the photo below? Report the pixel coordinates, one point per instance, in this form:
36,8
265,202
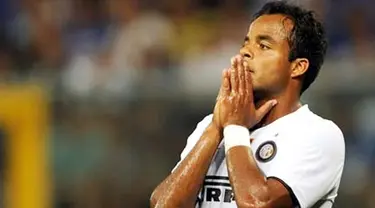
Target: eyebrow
261,37
266,38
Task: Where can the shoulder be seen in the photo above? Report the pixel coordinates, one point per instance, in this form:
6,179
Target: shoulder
199,129
205,121
319,128
310,157
194,137
317,132
329,137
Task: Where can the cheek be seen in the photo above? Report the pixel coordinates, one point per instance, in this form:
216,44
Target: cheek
270,72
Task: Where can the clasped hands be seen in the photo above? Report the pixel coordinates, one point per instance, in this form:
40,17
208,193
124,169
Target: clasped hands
235,102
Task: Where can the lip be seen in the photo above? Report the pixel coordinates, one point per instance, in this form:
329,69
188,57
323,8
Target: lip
250,69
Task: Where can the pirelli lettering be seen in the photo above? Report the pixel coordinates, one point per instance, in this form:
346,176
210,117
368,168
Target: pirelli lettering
217,189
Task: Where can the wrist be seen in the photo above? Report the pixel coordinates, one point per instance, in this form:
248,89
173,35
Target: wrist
235,135
216,130
215,123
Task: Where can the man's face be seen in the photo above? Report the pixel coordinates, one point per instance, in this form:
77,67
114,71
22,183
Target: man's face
266,49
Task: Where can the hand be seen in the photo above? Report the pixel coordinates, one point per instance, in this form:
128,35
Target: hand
225,85
235,102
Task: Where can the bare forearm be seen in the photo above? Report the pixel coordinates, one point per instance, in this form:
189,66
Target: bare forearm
248,183
181,188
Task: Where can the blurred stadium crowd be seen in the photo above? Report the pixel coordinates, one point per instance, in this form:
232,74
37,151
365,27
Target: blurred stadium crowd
129,79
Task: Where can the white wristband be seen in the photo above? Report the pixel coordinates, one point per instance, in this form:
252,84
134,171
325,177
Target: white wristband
235,135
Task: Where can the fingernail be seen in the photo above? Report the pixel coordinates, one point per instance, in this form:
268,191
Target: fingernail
232,60
239,58
227,71
274,102
245,64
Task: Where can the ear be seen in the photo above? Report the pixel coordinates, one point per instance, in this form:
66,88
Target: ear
299,67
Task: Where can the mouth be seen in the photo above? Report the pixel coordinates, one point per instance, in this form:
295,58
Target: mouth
250,69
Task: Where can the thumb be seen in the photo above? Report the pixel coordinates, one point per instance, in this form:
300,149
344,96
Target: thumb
264,109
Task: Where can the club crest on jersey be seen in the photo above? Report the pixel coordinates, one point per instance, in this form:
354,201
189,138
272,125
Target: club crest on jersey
266,151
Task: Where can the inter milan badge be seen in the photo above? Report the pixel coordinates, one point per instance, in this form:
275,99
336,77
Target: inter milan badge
266,151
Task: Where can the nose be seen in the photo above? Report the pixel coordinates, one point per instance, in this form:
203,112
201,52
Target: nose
246,53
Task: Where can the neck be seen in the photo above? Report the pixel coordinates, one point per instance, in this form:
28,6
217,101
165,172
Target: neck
286,104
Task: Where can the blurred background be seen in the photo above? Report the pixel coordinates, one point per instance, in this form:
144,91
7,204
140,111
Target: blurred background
97,97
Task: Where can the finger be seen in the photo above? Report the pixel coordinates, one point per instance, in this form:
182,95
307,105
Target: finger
264,109
233,61
241,77
234,75
248,83
224,75
232,72
226,87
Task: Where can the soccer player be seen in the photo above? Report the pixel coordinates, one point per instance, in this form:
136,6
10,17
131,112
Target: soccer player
261,147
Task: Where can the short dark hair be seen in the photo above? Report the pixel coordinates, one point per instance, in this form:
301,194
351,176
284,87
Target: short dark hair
307,38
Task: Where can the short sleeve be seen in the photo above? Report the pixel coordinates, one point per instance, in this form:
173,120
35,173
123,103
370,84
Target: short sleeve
194,137
309,162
